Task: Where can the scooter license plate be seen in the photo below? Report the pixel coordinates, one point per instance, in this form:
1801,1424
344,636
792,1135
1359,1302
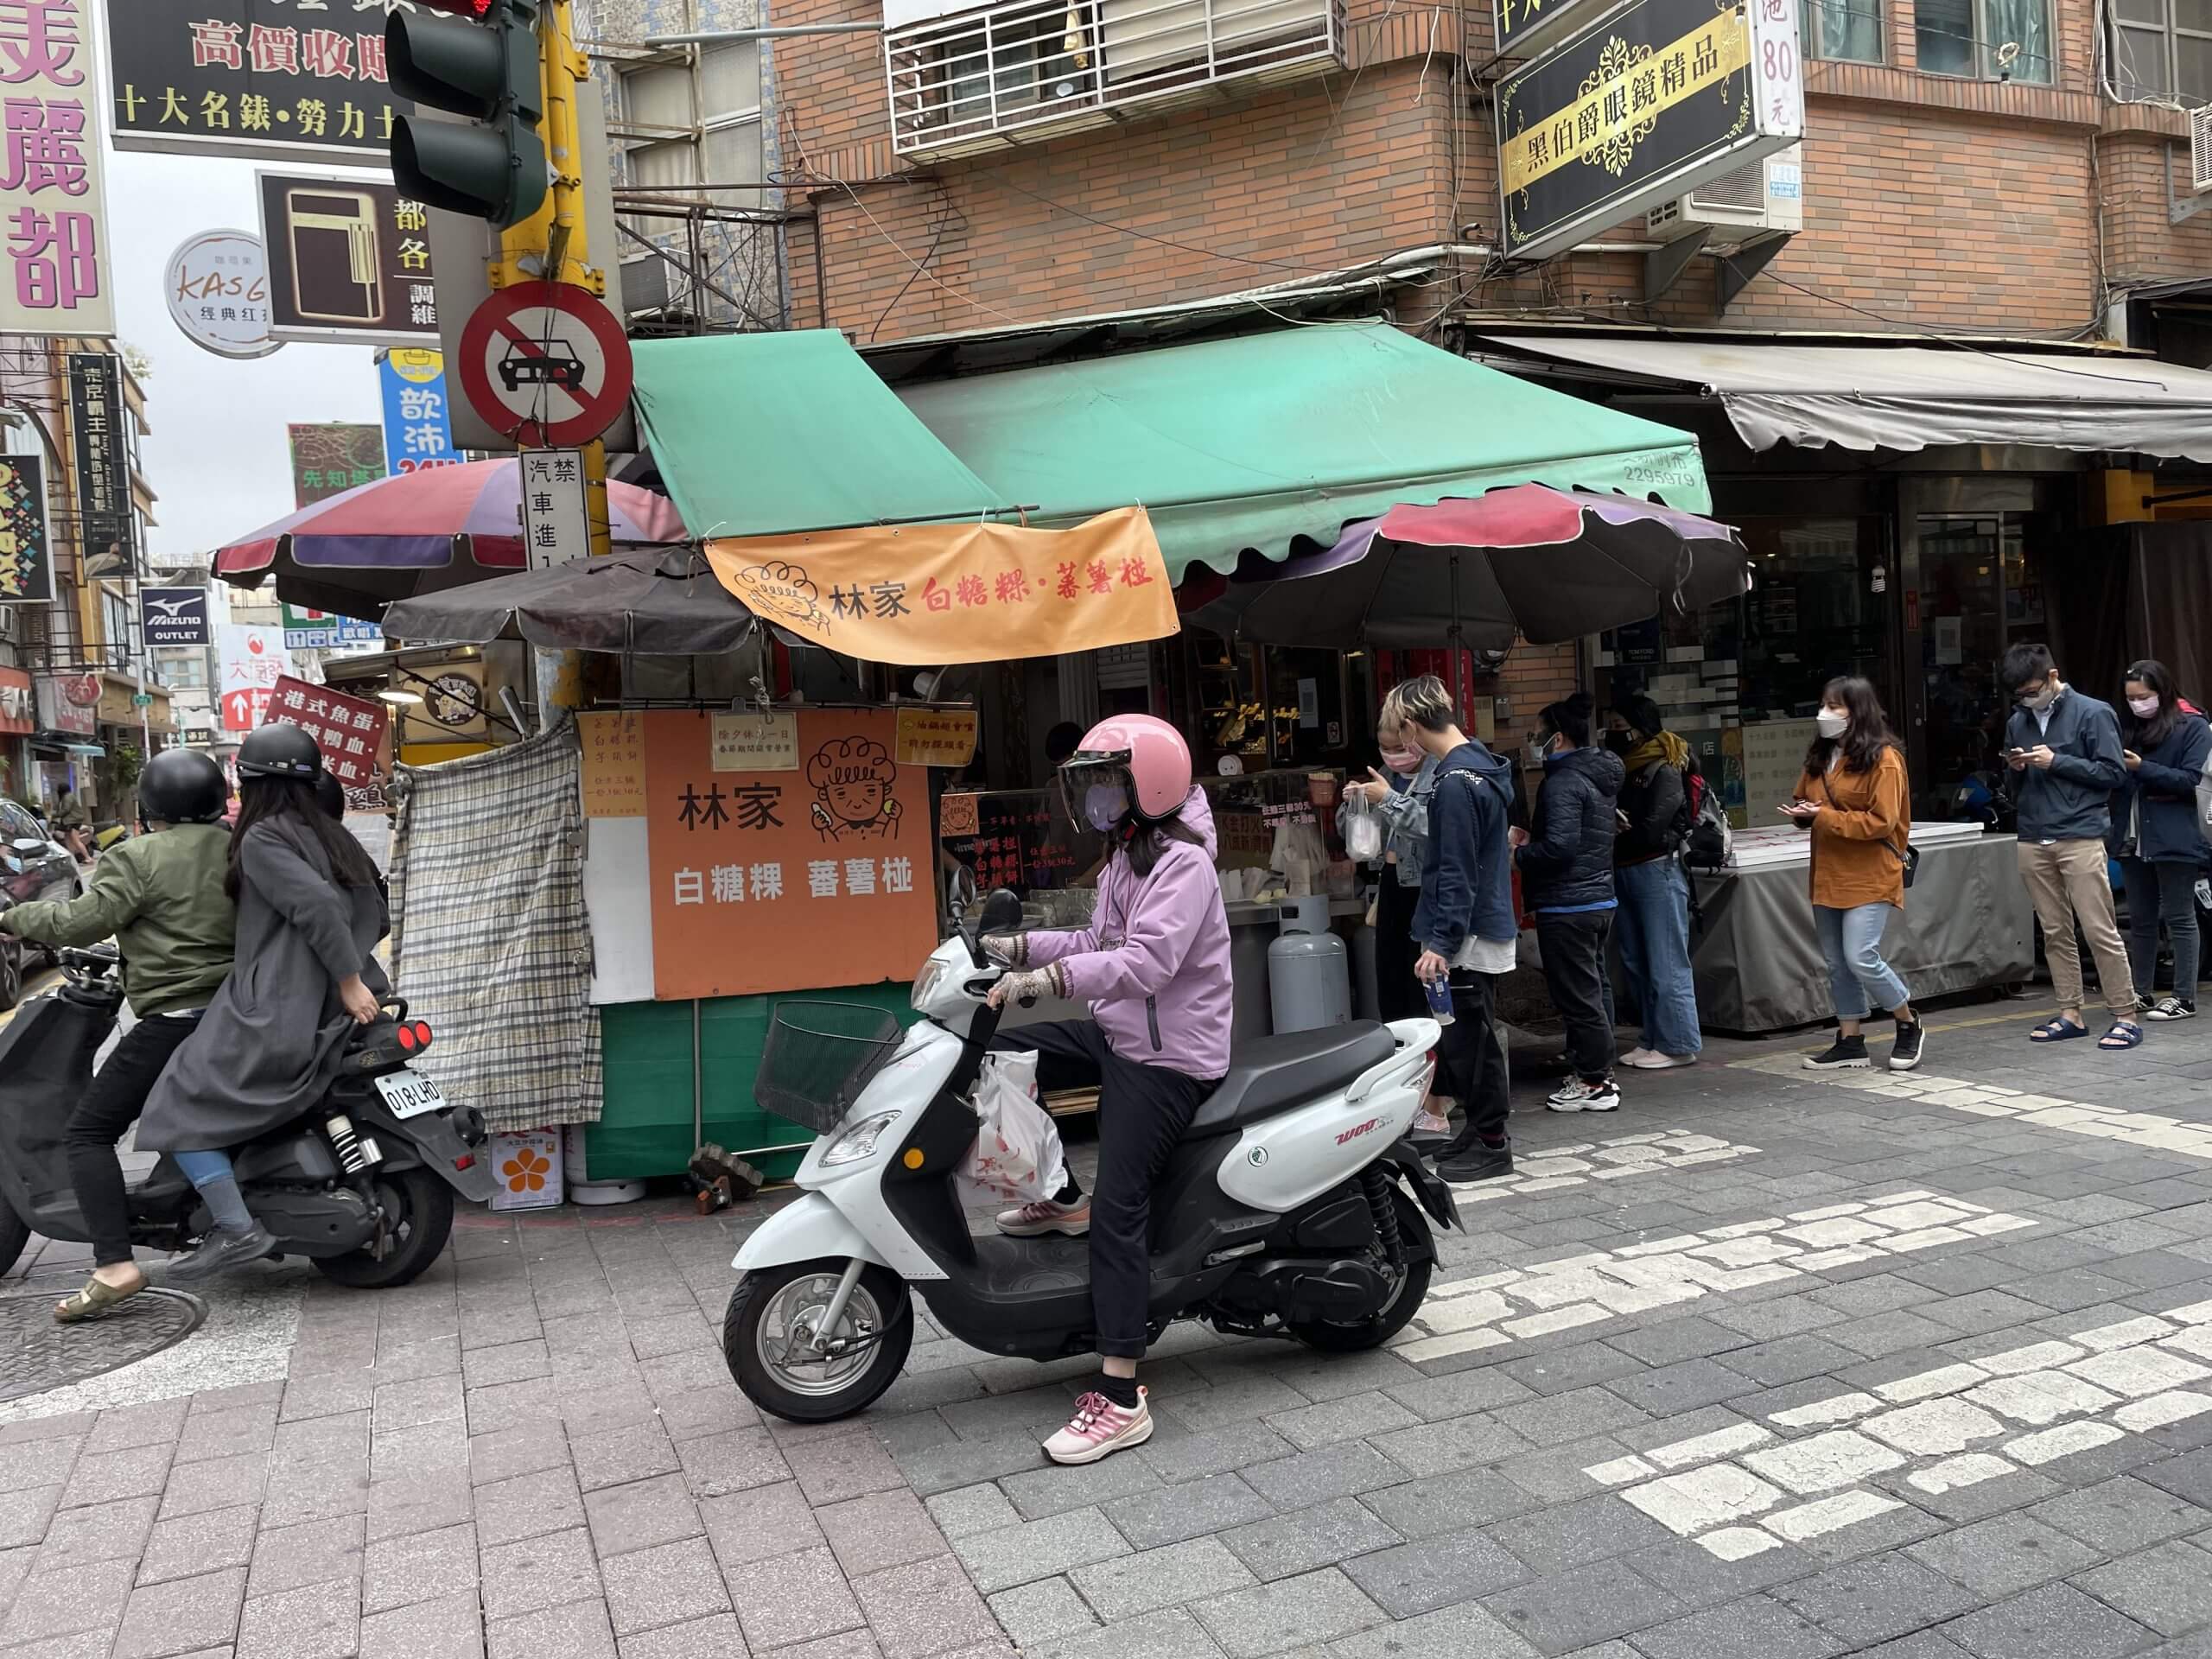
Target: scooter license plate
410,1094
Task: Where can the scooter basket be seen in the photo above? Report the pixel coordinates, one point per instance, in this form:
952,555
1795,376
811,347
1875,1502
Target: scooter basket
819,1056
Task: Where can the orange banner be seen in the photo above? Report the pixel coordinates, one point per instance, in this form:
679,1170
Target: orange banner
786,880
930,593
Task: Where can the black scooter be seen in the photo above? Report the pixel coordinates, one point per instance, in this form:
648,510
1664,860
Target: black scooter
362,1185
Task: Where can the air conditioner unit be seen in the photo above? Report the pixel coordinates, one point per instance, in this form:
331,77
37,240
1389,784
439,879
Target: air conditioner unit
2200,149
1767,195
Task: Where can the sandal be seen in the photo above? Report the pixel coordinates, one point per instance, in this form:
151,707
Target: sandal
97,1297
2057,1030
2125,1034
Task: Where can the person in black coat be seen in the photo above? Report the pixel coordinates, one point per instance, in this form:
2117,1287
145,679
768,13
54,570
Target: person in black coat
2156,833
1566,861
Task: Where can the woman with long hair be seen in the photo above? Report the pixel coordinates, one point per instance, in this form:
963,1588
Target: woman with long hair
1854,798
309,915
2155,831
1154,965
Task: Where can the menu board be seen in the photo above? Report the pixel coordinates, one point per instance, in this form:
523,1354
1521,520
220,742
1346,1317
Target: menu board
613,765
1774,757
1018,839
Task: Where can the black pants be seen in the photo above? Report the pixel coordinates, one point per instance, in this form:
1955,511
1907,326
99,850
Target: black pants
1142,1112
111,1106
1397,993
1470,1061
1574,971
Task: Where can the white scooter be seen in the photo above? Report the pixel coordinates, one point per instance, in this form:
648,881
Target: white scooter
1288,1210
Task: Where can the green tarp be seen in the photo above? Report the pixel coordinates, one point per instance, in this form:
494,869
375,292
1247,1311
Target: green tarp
762,435
1249,441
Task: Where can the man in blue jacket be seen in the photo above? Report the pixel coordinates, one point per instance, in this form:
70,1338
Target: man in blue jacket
2063,745
1464,922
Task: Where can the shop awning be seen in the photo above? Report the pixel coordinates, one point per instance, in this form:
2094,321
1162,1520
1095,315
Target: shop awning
1252,442
1916,397
764,434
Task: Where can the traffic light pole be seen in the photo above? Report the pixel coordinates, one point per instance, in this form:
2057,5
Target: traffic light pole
554,244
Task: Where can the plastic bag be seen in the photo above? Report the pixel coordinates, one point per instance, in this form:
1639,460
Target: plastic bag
1363,832
1016,1158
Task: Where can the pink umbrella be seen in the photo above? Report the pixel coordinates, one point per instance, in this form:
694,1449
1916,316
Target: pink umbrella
419,532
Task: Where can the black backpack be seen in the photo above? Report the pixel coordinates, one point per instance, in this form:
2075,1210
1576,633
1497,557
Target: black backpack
1705,835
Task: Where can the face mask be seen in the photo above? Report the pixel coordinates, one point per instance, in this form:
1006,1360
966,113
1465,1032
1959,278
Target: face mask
2043,699
1104,805
1830,725
1403,761
2143,707
1620,742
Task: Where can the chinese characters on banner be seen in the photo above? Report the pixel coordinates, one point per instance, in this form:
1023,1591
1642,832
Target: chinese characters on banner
786,880
964,592
26,548
253,660
348,730
347,261
556,523
417,423
100,424
254,78
935,737
613,765
756,742
330,459
52,211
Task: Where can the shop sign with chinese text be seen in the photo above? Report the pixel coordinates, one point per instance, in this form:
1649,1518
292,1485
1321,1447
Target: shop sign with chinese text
217,284
786,880
100,423
418,420
25,544
18,704
937,737
311,630
349,261
262,78
555,526
1643,105
330,459
348,730
253,660
963,593
59,278
69,704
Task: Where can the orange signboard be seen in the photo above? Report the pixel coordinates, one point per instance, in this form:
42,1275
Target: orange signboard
613,765
965,593
786,880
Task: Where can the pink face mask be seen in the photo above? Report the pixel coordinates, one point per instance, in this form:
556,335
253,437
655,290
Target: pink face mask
2144,708
1405,762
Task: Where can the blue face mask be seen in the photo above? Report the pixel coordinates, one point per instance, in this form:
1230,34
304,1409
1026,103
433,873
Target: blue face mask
1104,805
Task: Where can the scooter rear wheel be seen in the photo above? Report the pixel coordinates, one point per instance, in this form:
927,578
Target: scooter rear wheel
770,1318
422,1204
1359,1335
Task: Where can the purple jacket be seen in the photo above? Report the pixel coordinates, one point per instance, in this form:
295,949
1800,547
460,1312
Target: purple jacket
1154,963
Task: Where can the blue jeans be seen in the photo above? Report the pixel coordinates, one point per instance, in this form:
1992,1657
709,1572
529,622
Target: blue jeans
1851,941
1653,923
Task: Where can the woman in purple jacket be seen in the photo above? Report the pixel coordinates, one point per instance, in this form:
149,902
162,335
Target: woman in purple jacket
1154,965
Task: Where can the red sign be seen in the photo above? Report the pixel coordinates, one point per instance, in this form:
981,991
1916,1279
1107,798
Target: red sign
546,363
349,730
18,707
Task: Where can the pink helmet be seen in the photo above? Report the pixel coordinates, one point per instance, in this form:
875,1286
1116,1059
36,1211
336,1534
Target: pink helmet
1158,760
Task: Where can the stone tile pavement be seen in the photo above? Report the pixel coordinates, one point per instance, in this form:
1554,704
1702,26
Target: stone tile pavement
1772,1364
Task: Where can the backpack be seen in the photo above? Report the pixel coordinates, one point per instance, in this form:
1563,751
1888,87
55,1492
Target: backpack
1707,839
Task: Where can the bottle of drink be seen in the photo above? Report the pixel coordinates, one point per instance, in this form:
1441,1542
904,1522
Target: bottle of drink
1439,992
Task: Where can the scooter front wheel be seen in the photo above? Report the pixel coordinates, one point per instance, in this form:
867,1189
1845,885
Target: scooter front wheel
768,1339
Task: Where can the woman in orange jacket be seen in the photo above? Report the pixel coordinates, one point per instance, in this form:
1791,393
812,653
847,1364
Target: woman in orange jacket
1853,797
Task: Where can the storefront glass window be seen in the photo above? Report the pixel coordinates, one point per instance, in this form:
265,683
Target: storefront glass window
1980,589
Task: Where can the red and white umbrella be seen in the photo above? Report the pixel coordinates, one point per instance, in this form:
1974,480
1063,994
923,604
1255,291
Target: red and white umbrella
417,533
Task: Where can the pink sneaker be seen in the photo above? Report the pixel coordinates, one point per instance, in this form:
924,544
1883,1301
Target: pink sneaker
1100,1428
1035,1220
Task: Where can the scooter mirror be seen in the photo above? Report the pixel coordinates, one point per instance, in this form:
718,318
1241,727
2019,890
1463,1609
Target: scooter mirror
1001,912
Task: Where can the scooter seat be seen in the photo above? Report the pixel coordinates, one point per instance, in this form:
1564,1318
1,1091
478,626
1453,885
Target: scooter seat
1272,1074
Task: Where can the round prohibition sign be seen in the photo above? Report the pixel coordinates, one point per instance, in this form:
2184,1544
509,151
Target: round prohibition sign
546,364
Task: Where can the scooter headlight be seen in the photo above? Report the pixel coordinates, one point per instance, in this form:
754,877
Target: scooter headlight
925,984
860,1140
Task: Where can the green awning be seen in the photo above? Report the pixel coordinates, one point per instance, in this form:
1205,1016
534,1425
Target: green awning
765,435
1247,443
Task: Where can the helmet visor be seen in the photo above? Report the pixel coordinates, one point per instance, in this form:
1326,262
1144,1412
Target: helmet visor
1097,790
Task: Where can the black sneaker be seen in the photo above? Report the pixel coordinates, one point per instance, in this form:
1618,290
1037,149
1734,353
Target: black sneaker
218,1253
1475,1162
2172,1008
1845,1053
1904,1053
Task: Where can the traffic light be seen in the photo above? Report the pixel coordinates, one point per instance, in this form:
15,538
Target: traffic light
494,168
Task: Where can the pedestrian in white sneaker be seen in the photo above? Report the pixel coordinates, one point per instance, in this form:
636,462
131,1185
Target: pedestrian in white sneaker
1566,876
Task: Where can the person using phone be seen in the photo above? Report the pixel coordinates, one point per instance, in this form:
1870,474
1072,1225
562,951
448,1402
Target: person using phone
2063,747
2155,832
1854,797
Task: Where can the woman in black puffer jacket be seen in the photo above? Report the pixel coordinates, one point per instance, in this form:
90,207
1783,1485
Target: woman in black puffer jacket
1566,878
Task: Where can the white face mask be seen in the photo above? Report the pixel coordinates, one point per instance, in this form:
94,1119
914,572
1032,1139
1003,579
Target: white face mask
1829,724
2143,707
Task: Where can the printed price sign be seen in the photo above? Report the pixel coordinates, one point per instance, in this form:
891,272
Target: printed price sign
613,765
935,737
756,742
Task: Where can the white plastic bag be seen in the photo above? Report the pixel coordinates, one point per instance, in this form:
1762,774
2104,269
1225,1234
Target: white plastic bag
1363,833
1016,1158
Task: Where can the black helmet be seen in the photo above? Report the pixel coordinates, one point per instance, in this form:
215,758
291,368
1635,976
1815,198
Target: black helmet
280,749
182,786
330,795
